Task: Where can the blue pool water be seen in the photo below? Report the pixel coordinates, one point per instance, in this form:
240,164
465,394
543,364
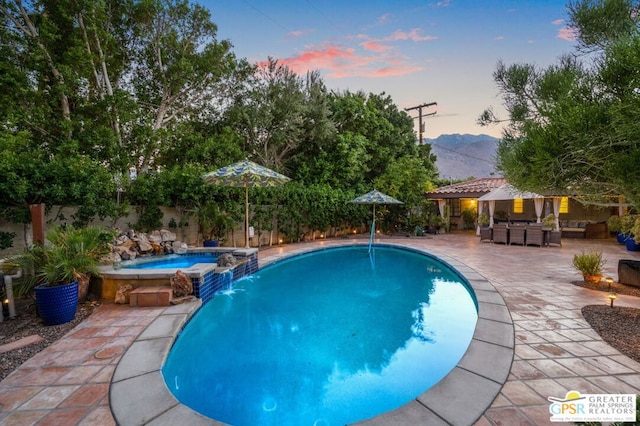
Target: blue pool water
326,338
175,261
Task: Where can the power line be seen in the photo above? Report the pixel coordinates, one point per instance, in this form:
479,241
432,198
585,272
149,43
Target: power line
266,16
324,16
461,153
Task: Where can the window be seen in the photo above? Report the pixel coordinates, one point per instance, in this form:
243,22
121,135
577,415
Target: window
564,205
518,205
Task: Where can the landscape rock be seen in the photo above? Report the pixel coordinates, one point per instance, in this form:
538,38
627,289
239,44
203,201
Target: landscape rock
122,294
179,247
181,284
226,259
167,235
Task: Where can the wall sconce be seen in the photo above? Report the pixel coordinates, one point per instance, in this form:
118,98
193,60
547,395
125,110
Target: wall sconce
280,241
612,297
609,281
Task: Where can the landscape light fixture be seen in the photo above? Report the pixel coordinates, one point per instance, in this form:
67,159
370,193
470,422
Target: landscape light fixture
612,297
609,281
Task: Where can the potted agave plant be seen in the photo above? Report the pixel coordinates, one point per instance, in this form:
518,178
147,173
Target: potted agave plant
58,272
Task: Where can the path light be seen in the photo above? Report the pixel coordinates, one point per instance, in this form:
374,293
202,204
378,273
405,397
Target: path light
609,281
612,297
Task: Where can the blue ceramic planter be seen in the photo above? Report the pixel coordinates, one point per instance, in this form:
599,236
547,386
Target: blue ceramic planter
210,243
621,238
57,304
631,244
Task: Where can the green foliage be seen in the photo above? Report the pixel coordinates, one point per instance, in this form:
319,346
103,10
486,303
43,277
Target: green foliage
549,221
469,218
69,254
614,223
104,88
635,230
483,219
573,125
589,262
6,239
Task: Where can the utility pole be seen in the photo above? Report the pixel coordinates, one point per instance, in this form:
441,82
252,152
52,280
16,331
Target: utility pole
420,122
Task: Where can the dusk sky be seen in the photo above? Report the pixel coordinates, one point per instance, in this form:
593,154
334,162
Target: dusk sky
415,51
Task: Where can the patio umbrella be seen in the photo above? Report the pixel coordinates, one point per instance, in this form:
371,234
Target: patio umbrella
375,197
245,174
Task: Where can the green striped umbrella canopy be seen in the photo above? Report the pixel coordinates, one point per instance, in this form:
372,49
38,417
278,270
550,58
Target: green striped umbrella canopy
245,174
375,197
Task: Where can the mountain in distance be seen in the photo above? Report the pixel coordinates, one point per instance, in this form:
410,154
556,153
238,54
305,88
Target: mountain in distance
464,156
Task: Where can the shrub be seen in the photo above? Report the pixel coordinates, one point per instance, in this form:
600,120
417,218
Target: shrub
589,263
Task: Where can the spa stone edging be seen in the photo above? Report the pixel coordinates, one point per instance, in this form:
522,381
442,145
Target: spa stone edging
139,396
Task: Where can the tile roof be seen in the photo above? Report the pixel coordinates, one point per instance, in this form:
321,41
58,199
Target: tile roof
471,188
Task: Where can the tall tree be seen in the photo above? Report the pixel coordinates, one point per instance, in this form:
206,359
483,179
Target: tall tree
573,126
179,69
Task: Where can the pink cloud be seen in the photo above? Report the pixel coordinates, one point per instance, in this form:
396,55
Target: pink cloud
566,33
413,35
499,38
384,18
341,62
558,22
374,46
297,33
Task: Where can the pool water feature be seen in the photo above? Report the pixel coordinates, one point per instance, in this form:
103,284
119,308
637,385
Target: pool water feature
174,261
324,338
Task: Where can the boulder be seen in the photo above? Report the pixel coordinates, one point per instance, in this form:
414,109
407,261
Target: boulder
179,247
122,294
181,284
226,259
157,248
128,255
167,235
145,247
155,237
629,272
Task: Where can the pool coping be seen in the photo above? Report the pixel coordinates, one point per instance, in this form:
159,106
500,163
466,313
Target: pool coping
138,394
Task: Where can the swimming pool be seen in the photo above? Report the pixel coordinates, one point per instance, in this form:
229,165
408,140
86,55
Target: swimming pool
174,261
342,339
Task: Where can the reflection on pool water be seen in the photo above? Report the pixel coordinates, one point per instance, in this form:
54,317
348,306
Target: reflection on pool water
330,337
174,261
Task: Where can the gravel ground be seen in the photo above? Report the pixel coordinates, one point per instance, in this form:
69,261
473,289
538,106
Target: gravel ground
618,326
27,323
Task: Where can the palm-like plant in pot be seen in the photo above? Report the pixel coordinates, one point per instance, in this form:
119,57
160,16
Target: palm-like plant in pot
58,272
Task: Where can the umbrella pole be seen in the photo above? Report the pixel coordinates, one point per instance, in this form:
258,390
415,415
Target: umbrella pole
374,219
246,215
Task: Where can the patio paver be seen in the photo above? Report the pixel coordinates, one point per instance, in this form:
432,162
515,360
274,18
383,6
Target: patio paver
555,350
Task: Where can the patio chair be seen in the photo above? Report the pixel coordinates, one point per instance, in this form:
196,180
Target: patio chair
516,233
486,235
555,237
500,233
535,235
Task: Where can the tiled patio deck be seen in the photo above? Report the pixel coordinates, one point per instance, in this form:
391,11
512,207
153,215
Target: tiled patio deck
556,350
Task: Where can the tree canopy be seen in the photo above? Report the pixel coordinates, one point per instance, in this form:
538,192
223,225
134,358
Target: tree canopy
95,92
573,127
